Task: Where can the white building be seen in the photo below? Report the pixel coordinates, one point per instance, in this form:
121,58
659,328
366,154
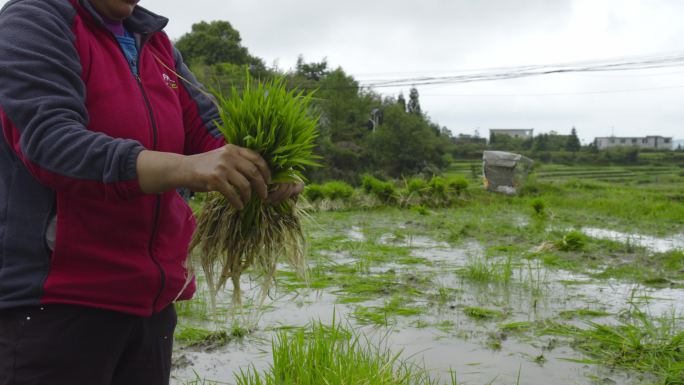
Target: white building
647,142
522,133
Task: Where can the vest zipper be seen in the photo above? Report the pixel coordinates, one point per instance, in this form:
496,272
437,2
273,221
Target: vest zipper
153,122
157,206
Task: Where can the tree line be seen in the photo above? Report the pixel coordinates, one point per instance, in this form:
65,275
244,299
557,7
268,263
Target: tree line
361,131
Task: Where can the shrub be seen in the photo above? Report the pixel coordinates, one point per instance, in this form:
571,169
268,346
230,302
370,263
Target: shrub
337,190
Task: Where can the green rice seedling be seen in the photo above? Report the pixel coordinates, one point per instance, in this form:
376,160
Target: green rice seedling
539,207
653,346
457,184
371,316
277,124
482,313
337,190
439,190
573,241
314,192
516,327
416,185
443,295
413,193
438,185
457,232
194,337
534,277
334,355
367,183
386,192
484,270
583,313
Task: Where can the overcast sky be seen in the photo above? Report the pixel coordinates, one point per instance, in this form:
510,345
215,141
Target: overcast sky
373,39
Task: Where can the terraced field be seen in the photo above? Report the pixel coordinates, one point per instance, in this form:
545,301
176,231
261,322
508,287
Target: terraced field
555,172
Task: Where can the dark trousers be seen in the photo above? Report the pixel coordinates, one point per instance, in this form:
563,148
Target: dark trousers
72,345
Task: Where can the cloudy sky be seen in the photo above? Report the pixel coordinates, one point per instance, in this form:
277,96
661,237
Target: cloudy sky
398,39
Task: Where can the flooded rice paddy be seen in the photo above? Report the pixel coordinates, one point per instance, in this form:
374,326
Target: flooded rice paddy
487,314
655,244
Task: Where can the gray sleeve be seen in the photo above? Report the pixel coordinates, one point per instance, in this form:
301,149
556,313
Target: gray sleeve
43,96
198,95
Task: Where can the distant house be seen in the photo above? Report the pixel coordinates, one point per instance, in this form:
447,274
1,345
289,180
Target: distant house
645,142
522,133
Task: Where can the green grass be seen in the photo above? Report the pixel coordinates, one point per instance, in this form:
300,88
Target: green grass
484,270
641,343
334,355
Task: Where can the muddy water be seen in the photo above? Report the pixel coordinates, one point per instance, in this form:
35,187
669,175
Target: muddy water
461,343
658,245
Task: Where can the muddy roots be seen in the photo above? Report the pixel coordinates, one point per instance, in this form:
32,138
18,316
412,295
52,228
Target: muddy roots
227,242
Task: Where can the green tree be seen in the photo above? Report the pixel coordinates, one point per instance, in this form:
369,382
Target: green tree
405,144
413,106
541,143
573,143
213,43
505,142
312,71
401,100
345,110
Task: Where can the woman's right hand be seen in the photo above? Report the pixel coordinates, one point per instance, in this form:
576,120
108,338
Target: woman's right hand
231,170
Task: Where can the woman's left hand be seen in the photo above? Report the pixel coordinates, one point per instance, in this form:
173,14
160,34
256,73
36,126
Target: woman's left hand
280,192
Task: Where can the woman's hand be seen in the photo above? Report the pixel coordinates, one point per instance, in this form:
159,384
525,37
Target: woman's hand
231,170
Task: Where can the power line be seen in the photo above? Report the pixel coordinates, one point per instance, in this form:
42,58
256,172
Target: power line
505,73
564,93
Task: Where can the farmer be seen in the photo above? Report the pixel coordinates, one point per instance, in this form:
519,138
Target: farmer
100,127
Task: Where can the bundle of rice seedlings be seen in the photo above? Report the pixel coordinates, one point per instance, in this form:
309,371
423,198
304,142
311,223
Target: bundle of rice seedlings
277,124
